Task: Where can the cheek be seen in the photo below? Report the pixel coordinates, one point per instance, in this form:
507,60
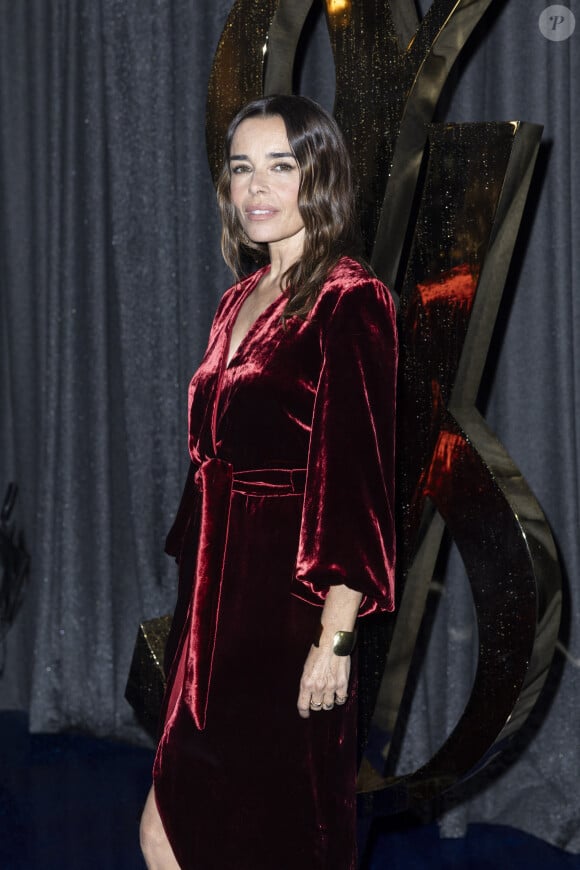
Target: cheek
291,196
236,192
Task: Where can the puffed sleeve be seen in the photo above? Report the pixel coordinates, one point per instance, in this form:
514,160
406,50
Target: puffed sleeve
347,531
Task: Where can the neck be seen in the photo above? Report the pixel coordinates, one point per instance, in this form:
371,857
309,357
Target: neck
283,255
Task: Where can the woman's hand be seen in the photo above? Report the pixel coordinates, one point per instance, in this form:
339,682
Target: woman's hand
324,680
325,676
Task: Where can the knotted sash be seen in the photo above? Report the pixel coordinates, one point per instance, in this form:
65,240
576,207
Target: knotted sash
216,481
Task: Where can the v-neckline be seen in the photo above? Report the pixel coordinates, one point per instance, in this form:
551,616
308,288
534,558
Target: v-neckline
231,357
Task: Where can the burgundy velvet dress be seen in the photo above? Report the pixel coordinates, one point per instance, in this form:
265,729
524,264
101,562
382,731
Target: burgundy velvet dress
290,490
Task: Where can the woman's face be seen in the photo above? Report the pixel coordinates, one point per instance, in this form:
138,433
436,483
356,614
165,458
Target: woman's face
265,178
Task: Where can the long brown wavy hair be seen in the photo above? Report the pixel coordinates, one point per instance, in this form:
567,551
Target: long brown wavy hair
326,198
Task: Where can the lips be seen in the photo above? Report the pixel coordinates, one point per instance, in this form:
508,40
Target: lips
260,213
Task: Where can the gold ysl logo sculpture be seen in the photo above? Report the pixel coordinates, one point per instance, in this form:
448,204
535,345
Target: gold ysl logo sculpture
447,258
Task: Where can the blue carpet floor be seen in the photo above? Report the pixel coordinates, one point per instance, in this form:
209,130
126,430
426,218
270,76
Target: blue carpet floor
71,802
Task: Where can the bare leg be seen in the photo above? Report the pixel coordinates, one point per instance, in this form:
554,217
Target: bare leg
155,846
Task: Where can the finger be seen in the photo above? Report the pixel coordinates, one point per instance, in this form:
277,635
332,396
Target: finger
320,694
303,705
341,687
328,701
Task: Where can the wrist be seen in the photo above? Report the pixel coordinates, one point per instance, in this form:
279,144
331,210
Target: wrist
343,642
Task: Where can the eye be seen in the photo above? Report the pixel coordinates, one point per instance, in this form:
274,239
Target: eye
239,168
283,167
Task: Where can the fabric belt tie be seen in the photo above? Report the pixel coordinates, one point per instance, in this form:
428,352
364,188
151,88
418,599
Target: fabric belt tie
216,480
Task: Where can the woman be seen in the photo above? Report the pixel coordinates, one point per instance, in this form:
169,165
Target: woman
285,534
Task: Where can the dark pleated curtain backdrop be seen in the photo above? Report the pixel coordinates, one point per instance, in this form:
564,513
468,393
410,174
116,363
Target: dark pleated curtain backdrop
110,272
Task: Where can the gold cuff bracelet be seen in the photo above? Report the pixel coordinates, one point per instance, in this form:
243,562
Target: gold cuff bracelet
343,642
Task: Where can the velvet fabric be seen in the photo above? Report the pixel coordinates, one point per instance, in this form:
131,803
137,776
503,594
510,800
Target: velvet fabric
290,490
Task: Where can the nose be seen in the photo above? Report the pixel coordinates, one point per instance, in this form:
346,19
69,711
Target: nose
258,183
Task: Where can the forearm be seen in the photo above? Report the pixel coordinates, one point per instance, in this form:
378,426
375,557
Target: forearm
339,612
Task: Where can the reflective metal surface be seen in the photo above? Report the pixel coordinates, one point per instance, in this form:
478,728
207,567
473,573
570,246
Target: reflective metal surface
390,71
453,471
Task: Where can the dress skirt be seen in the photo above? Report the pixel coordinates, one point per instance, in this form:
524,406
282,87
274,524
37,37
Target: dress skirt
259,788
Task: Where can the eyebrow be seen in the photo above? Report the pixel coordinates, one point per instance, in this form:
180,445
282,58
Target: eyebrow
274,154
